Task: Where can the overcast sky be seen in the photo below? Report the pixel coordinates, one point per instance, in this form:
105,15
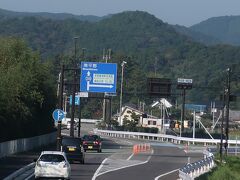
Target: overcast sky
182,12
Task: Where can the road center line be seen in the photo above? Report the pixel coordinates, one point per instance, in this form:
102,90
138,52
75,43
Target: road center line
156,178
130,157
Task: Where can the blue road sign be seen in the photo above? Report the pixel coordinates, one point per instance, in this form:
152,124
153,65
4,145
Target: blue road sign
58,114
77,100
98,77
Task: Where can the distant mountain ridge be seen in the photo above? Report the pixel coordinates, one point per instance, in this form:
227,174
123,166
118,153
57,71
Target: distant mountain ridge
216,30
197,36
150,46
225,28
54,16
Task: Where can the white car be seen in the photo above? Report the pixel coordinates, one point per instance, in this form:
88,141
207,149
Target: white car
52,164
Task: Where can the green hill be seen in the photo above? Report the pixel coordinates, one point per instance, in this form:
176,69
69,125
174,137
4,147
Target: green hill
54,16
225,28
150,46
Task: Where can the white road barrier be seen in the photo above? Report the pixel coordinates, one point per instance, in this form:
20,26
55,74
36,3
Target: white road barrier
162,137
193,170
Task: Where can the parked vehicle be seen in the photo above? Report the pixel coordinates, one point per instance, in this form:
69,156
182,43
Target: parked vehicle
52,164
92,142
73,148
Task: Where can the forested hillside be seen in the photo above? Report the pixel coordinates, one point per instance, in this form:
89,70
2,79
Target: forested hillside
151,48
226,29
54,16
197,36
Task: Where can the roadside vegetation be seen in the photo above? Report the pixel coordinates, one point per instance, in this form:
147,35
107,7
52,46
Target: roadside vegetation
27,92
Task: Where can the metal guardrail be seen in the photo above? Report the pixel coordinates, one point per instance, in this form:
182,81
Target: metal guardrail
162,137
23,173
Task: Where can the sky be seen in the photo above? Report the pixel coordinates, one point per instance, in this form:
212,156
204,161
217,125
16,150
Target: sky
181,12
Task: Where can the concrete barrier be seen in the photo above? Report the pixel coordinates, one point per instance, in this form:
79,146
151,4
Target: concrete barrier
26,144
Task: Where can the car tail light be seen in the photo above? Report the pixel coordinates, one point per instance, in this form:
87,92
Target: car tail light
96,142
84,142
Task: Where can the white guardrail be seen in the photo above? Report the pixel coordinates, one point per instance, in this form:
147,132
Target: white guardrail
24,173
163,137
193,170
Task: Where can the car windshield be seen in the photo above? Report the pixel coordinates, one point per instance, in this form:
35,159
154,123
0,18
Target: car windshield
71,141
91,137
52,158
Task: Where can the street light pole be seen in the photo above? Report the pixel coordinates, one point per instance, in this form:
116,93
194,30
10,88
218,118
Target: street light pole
120,112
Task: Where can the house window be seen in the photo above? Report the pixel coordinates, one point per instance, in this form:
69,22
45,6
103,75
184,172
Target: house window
149,122
154,122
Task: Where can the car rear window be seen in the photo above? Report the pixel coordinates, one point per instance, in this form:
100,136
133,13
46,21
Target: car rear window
52,158
91,137
71,141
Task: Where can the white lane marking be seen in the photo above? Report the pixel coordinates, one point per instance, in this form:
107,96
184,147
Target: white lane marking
99,168
30,177
156,178
96,175
130,157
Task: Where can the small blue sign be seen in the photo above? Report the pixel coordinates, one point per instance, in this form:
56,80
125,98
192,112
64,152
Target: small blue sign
58,114
98,77
77,100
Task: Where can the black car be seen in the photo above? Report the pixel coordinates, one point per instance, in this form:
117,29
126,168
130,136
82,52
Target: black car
92,142
73,148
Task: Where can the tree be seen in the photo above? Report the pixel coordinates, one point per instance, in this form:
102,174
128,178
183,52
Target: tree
27,95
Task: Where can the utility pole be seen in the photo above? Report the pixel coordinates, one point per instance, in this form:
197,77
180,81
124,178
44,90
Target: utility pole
74,88
227,109
194,124
107,101
223,117
120,112
79,109
60,104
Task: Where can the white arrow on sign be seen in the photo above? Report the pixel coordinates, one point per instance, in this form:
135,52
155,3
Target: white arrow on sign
60,114
98,85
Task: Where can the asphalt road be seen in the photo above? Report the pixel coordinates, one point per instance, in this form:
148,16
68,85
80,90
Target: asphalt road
115,162
163,163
